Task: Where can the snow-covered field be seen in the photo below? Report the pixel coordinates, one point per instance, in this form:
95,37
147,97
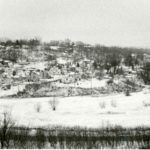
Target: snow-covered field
81,111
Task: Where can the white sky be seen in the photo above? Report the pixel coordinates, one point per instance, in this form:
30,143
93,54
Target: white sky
108,22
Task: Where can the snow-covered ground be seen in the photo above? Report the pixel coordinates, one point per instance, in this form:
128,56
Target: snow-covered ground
92,83
81,111
37,65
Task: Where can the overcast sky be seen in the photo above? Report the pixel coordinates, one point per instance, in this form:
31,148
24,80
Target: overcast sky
108,22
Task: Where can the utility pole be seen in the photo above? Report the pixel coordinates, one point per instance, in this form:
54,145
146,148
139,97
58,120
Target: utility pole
91,83
91,78
18,88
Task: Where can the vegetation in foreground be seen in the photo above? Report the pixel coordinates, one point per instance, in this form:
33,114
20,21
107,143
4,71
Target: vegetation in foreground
76,138
12,136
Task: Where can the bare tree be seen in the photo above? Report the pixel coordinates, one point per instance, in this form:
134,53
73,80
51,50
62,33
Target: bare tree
145,73
6,124
41,138
38,107
53,103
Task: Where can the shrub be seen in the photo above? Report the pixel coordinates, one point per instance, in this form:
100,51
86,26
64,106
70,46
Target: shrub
127,92
146,104
145,73
102,105
6,124
23,93
40,138
38,107
53,103
113,103
100,74
20,137
110,81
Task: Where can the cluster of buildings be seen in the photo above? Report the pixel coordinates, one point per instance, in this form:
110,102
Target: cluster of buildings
63,69
23,73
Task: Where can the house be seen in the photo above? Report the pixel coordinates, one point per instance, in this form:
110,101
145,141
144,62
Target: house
64,70
61,61
68,79
2,47
54,47
25,47
54,71
9,72
5,63
21,73
9,48
133,55
2,71
71,78
33,77
17,79
146,58
44,74
84,63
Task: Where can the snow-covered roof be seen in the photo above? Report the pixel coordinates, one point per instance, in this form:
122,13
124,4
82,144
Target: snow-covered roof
61,61
54,47
87,60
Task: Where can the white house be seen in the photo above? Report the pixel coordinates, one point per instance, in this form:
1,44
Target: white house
54,71
146,58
